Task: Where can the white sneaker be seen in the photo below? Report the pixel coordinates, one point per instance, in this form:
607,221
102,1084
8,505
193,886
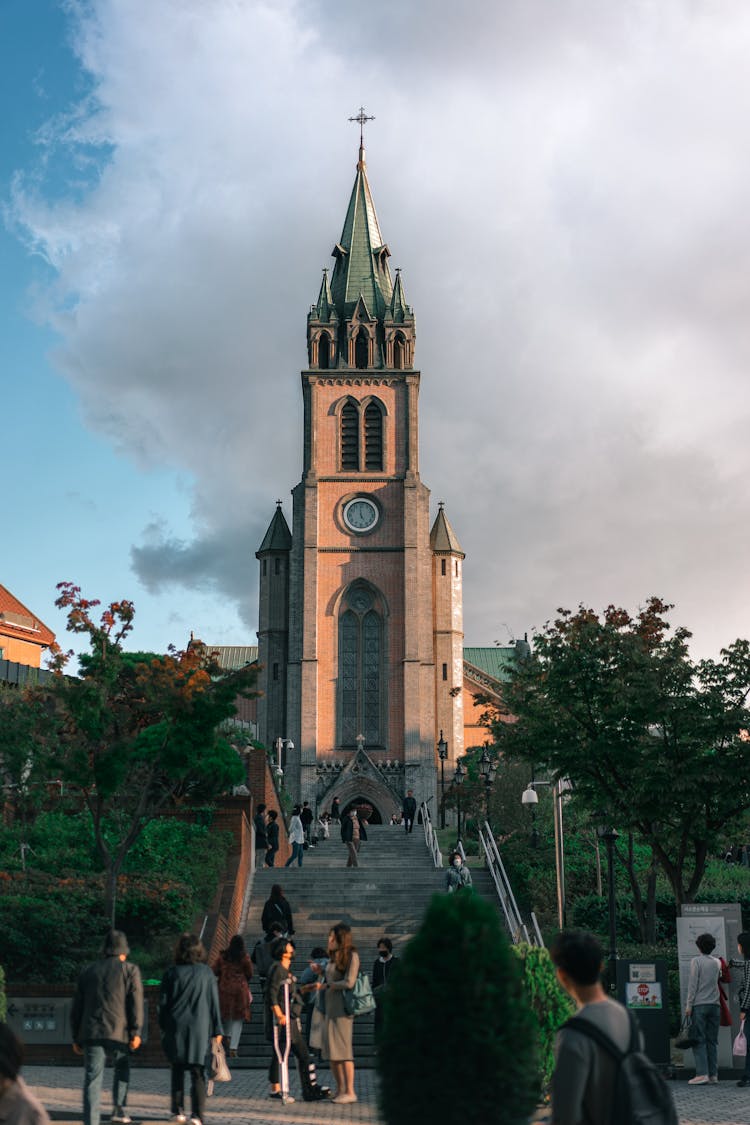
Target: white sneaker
699,1080
178,1118
714,1078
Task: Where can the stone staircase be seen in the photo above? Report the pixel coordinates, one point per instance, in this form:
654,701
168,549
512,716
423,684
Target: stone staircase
386,896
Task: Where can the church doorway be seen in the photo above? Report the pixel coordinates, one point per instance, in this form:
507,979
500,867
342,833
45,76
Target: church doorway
372,815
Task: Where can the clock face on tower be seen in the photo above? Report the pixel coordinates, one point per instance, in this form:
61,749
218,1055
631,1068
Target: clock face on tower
360,514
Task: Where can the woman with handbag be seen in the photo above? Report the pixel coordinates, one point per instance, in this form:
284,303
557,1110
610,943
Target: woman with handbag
743,947
342,971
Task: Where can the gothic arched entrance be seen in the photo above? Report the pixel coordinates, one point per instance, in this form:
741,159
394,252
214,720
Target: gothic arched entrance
361,803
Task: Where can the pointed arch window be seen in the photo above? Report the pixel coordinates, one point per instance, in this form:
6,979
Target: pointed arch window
361,434
324,351
373,437
362,350
360,680
399,352
350,437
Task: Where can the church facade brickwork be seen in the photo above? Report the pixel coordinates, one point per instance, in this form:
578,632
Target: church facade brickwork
360,620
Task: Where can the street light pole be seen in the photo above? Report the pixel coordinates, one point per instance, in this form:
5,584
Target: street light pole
487,771
442,749
530,797
458,779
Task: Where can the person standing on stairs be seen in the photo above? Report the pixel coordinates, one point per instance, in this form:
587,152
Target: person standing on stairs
341,973
277,909
381,974
336,810
296,838
272,836
233,970
283,951
261,839
409,810
350,837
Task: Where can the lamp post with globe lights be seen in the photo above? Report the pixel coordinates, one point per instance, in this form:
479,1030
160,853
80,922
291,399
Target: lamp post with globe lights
442,749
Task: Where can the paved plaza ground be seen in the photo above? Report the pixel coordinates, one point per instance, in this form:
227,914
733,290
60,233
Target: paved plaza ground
244,1100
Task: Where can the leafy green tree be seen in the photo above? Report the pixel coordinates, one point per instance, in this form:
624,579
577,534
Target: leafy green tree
458,1045
654,739
136,732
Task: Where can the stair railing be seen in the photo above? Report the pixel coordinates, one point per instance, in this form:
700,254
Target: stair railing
430,836
517,928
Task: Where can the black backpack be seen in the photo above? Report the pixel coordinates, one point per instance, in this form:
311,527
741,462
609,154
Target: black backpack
641,1095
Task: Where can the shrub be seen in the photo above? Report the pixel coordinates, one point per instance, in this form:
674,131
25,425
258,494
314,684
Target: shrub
3,1001
549,1003
458,1044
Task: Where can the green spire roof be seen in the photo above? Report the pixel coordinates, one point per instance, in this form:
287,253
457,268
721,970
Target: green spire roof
324,308
399,309
442,537
278,537
361,268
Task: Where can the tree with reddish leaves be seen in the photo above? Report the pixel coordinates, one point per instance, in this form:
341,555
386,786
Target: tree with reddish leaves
646,735
137,732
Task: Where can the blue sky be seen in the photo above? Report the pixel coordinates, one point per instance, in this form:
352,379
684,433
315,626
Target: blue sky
564,189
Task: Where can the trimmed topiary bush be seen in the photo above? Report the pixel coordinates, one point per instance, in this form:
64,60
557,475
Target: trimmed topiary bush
549,1003
458,1044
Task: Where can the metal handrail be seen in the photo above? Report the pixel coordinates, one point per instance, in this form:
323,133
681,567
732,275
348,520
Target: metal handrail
430,836
517,928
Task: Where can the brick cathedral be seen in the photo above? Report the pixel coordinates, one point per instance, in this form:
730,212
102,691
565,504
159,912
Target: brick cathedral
360,631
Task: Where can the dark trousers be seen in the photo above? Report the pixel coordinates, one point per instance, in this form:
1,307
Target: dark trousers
408,823
94,1060
307,1073
271,857
197,1088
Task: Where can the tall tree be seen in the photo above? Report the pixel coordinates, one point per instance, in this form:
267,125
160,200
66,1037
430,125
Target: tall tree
136,731
616,704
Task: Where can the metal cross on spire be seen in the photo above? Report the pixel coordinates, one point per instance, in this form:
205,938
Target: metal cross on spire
361,118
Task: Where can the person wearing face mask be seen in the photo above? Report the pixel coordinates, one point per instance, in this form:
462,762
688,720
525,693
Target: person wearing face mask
457,875
382,971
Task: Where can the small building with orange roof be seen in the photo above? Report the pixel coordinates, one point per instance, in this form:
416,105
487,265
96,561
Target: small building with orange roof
23,636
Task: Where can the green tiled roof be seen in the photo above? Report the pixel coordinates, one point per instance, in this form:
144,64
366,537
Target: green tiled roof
493,661
361,268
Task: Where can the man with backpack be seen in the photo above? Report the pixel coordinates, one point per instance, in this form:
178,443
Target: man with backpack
601,1073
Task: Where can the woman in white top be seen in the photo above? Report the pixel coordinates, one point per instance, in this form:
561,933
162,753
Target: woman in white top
296,838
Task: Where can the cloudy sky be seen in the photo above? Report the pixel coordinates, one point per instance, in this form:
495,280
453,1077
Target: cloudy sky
565,186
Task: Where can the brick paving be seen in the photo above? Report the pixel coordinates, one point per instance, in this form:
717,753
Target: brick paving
245,1101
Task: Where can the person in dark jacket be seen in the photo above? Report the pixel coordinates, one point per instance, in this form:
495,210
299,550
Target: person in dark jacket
275,1012
107,1017
189,1018
336,810
259,825
277,909
261,955
272,835
350,837
409,810
306,816
381,976
743,948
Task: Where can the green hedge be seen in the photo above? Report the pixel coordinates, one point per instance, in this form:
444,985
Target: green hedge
3,1001
458,1044
549,1003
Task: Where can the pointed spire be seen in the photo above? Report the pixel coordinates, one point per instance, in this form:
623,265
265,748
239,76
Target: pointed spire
399,308
278,537
443,539
361,254
324,309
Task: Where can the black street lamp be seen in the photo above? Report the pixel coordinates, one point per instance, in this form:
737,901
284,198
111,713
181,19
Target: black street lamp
458,779
442,749
487,771
609,835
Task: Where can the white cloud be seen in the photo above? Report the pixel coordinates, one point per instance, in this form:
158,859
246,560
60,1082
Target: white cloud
565,187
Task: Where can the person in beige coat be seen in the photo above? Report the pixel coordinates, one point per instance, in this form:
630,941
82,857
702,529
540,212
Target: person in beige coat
341,973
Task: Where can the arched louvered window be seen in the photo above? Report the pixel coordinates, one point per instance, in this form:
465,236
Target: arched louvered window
399,352
360,671
362,350
350,437
324,351
373,437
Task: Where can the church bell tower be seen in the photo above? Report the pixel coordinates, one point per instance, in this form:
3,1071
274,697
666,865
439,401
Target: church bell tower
359,688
